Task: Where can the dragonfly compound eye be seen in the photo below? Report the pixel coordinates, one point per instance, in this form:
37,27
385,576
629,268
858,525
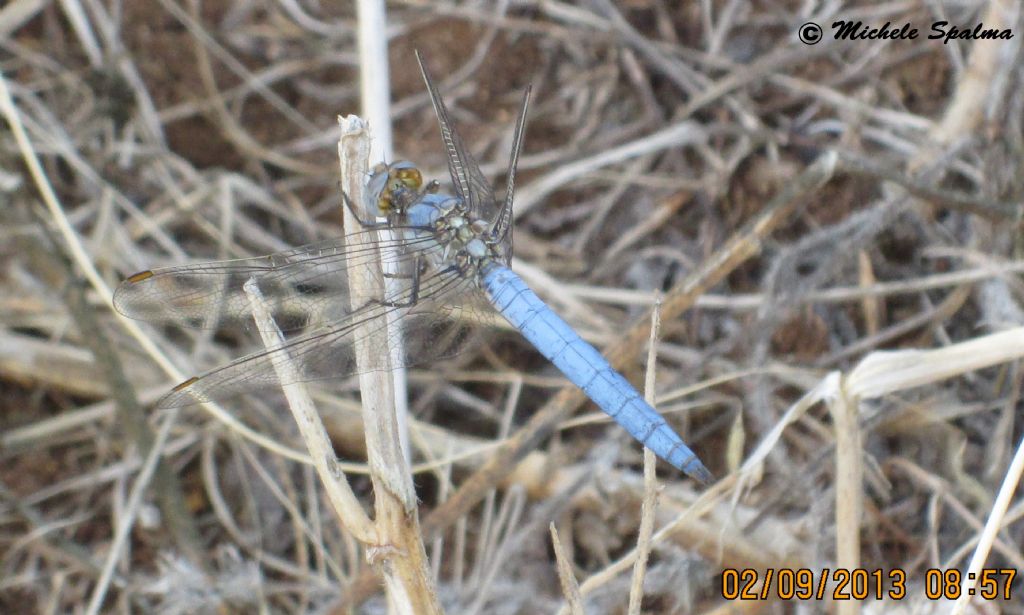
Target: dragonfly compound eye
409,177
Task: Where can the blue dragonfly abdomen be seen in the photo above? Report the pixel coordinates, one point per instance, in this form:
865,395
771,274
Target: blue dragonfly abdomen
585,367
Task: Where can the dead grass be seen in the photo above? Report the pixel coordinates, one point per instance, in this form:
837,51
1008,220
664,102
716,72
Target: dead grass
833,231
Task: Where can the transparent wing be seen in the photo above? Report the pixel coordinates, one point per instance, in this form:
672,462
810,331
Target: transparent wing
304,288
470,184
501,228
432,328
308,293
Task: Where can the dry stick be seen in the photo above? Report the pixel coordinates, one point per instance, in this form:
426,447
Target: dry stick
881,373
686,529
375,107
849,488
115,57
374,77
17,13
232,130
978,83
650,501
350,513
281,488
837,294
84,262
127,521
995,522
79,22
966,109
950,305
130,414
677,135
942,491
945,493
401,555
497,551
45,538
192,22
745,243
927,190
392,542
182,527
872,308
570,588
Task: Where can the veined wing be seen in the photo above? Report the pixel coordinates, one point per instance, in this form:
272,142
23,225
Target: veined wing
304,288
470,184
432,327
501,227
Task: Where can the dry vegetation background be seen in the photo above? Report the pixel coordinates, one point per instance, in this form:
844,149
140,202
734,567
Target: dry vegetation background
798,208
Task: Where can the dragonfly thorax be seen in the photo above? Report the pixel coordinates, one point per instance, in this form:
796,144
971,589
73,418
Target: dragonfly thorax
396,191
461,239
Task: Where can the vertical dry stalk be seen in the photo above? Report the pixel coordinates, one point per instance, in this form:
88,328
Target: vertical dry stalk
375,107
849,494
650,501
400,552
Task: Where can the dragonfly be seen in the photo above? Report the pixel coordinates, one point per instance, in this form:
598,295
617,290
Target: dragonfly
447,262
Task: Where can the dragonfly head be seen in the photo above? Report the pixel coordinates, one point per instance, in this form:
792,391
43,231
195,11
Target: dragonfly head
392,188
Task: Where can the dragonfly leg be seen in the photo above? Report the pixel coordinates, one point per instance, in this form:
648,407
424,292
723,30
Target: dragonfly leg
421,267
403,198
414,291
